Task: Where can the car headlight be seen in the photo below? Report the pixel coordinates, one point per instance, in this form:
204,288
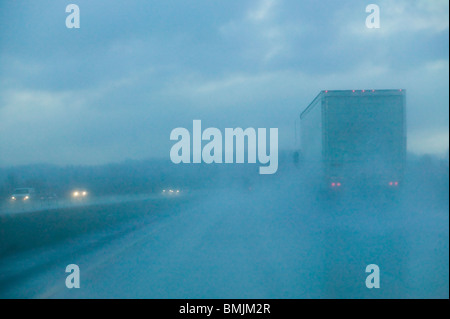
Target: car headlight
26,197
13,198
75,194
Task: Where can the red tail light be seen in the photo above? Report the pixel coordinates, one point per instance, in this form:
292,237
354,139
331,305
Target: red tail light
393,183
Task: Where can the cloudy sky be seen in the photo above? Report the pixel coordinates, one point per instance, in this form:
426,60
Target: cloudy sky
115,88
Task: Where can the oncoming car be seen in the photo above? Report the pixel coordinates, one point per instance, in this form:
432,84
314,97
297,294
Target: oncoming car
79,194
23,194
170,191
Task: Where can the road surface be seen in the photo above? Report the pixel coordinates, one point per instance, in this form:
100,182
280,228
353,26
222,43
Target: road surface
272,240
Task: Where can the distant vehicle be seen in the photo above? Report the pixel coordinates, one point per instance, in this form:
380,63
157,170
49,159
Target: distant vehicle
355,137
23,194
170,191
79,194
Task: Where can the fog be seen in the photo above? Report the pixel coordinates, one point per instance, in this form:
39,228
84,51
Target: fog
87,114
248,236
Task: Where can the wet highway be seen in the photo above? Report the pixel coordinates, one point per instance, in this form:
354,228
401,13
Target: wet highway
272,240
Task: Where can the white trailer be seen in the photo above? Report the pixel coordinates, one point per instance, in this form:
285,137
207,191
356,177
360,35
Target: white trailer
356,137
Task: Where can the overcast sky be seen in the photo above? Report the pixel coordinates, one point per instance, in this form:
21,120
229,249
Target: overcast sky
115,88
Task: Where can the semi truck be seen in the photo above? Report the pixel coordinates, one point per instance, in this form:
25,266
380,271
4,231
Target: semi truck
355,138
